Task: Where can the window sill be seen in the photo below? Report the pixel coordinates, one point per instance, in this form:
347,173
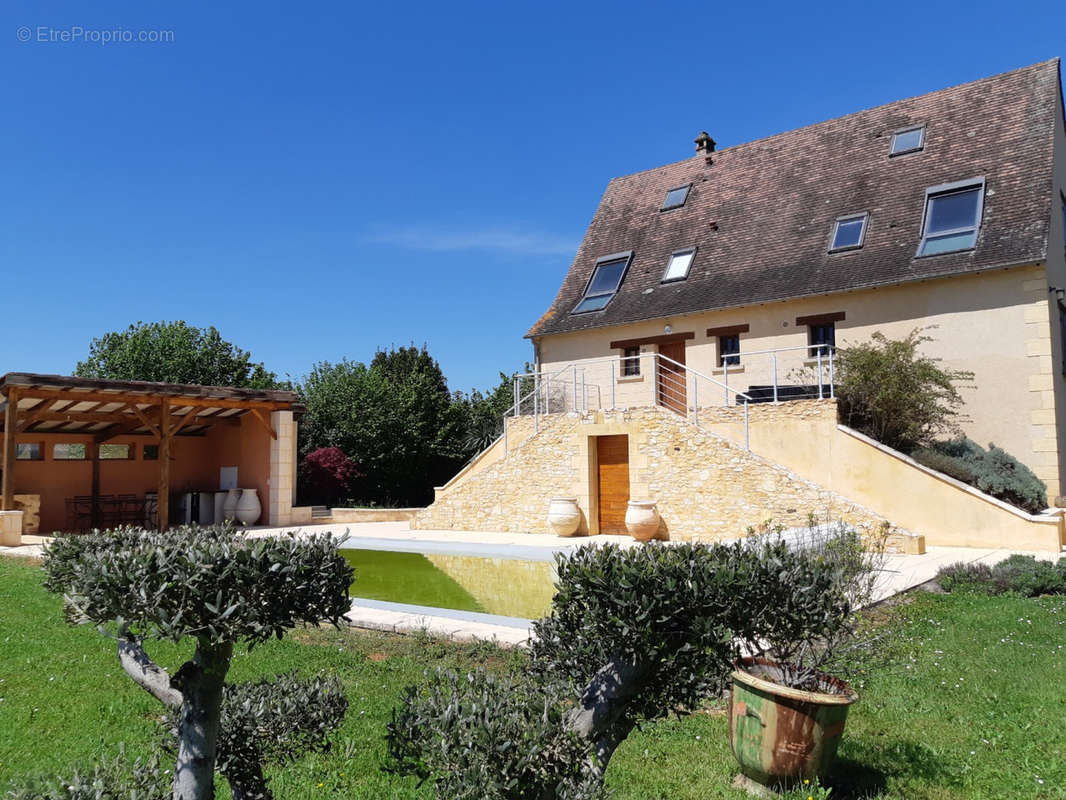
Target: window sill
733,370
631,379
813,362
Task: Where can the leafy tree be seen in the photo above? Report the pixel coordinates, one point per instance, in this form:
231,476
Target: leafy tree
889,391
326,476
216,587
173,352
395,418
484,414
634,634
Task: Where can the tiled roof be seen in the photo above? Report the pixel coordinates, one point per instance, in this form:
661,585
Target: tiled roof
761,214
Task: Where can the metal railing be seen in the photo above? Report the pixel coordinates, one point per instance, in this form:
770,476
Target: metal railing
616,382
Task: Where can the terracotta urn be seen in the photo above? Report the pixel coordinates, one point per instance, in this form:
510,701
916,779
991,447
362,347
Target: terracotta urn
229,507
564,517
642,520
248,508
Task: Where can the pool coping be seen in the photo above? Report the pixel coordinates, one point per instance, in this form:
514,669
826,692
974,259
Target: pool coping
390,617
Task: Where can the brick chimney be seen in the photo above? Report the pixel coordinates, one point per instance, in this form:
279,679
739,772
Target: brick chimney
705,144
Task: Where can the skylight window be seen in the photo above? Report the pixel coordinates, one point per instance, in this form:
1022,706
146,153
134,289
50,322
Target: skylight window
848,232
952,217
678,265
606,279
675,198
908,141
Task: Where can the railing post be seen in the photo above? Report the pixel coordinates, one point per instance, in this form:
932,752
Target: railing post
506,452
547,394
696,401
536,405
612,385
774,357
820,373
832,376
575,387
725,367
517,396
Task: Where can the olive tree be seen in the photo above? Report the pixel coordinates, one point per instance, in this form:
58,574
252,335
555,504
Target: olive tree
633,635
216,587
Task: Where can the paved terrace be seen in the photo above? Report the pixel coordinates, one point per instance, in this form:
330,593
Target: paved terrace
901,572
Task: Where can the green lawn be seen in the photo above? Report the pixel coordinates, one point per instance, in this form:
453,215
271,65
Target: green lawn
966,699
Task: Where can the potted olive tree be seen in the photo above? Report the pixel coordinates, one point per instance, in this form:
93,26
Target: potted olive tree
787,714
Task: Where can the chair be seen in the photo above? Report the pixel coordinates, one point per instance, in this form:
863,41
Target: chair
107,511
130,509
80,513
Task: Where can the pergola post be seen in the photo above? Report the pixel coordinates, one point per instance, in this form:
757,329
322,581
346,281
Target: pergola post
163,500
7,502
94,454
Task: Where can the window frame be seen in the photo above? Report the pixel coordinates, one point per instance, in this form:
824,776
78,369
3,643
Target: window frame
943,190
144,452
688,190
813,347
732,358
893,153
627,256
130,451
38,445
670,260
864,216
631,362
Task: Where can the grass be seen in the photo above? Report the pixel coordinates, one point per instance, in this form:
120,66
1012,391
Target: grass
966,698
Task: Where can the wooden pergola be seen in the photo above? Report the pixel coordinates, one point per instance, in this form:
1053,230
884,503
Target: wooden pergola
107,409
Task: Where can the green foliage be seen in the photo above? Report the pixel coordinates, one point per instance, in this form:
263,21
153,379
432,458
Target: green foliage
395,418
213,583
889,391
173,352
993,471
961,576
486,738
111,779
1026,576
634,634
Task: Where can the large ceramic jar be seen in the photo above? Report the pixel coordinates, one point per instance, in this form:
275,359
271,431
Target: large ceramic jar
642,519
229,507
564,517
248,508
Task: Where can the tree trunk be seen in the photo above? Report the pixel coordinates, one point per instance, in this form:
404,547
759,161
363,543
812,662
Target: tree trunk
600,716
200,682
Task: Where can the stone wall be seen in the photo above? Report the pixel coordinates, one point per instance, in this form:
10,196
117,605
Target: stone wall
706,487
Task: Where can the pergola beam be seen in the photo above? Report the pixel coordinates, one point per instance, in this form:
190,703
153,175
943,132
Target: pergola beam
176,401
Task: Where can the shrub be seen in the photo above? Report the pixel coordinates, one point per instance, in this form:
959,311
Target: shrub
1027,576
966,577
634,634
216,587
889,391
993,471
111,779
325,476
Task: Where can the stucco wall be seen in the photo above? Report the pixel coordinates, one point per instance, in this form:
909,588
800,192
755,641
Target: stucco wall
1056,277
996,325
706,488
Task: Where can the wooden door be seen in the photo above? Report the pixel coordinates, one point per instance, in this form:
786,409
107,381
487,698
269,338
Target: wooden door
671,386
612,464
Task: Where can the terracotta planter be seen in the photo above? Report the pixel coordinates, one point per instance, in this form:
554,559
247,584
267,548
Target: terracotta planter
248,508
564,517
780,735
642,520
229,507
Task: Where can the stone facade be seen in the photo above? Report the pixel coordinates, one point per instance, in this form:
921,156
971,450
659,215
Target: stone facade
706,487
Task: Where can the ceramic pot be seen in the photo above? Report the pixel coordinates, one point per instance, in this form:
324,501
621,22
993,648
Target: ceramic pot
229,507
248,508
642,520
782,735
564,517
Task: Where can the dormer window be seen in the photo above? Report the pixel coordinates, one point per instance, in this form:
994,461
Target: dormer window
952,217
849,232
678,265
675,198
910,140
606,279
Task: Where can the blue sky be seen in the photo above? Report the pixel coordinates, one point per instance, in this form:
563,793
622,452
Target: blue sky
318,180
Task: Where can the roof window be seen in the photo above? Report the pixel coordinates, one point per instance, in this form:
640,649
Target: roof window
606,279
675,198
952,217
848,232
678,265
910,140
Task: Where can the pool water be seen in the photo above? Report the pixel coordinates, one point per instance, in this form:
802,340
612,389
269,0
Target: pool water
505,586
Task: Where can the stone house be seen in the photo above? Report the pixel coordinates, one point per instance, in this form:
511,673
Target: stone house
718,284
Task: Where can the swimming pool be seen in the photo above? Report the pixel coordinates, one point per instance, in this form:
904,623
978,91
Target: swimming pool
503,586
